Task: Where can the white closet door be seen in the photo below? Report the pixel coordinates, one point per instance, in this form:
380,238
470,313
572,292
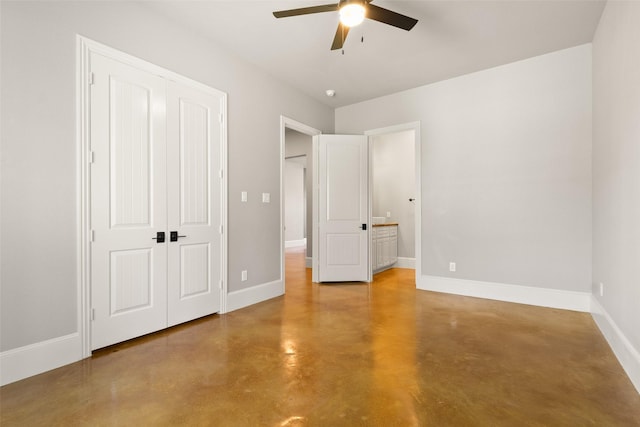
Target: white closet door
343,208
194,210
128,202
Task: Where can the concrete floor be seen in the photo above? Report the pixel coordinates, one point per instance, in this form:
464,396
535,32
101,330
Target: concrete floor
379,354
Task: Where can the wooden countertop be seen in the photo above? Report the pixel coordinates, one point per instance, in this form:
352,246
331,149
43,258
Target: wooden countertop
386,224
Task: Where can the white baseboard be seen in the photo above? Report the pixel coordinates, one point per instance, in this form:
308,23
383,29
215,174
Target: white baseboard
627,354
40,357
295,243
253,295
545,297
308,261
404,262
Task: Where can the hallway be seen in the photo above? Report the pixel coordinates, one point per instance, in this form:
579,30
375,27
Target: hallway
379,354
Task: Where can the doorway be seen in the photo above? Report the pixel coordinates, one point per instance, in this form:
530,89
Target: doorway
414,128
153,199
395,187
297,148
295,201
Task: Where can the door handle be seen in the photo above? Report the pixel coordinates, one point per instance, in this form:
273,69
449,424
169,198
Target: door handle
173,236
159,237
363,226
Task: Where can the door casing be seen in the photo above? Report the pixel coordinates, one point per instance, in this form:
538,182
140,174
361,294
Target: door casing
84,47
289,123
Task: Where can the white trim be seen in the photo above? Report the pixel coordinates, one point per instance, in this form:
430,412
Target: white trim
83,196
627,354
40,357
84,47
370,269
253,295
288,123
125,58
402,262
405,262
224,203
295,243
315,235
544,297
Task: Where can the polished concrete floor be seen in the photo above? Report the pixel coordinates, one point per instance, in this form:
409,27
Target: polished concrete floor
379,354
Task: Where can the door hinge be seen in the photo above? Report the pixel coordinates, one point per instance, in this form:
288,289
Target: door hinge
92,157
92,236
221,283
221,174
93,314
91,78
221,118
221,229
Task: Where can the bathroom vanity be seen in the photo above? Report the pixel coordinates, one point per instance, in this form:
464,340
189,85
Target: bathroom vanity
384,244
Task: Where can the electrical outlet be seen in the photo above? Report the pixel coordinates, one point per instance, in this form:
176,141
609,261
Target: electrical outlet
266,197
452,266
243,196
601,289
388,214
244,276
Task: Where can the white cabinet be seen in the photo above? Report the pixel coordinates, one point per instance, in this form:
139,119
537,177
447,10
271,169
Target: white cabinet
384,244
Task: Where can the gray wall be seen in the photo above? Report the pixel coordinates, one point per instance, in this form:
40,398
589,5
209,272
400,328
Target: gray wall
616,165
394,183
294,199
299,144
506,169
38,189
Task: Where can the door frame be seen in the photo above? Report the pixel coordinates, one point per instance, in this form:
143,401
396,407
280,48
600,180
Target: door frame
84,47
415,126
289,123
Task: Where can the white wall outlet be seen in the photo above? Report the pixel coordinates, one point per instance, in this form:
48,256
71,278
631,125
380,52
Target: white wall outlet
601,289
243,196
243,276
452,266
388,214
266,197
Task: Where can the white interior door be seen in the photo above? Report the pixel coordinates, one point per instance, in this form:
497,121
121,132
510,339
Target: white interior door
343,208
158,155
194,188
128,202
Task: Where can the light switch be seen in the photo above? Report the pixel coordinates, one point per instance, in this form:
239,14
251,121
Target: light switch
243,196
266,198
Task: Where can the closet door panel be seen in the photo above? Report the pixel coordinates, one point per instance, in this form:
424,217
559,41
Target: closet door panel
194,188
128,202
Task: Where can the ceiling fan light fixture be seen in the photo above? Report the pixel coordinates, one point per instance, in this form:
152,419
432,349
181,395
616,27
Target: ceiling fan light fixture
352,14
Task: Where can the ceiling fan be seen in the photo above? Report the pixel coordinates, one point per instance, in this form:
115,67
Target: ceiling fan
352,13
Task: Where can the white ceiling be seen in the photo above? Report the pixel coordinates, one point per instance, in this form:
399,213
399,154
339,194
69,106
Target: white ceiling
452,38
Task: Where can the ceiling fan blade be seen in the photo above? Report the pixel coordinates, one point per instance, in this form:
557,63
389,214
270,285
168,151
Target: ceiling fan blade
306,10
390,17
340,37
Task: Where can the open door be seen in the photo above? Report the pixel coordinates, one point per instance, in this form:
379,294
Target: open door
343,208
